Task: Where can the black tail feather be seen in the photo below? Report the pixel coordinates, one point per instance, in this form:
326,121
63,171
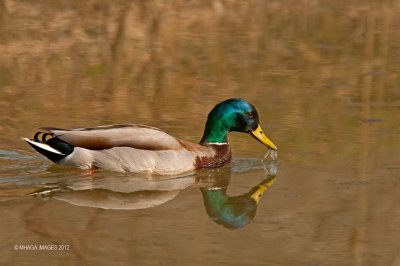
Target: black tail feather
44,136
63,148
36,137
60,145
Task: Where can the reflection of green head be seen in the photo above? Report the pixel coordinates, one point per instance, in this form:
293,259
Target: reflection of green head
234,212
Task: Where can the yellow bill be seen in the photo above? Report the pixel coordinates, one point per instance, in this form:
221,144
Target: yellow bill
259,134
261,189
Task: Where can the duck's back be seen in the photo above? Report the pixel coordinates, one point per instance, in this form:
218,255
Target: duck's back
126,135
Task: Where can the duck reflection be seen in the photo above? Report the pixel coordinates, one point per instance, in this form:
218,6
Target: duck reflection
139,192
234,212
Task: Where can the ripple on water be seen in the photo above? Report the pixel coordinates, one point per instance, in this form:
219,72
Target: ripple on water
242,164
20,168
15,156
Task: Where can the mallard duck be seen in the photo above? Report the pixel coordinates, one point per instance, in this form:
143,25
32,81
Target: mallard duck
139,148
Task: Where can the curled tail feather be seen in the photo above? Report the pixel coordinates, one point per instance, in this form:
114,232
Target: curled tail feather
53,148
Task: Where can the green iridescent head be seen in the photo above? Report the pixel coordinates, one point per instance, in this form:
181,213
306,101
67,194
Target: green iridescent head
233,115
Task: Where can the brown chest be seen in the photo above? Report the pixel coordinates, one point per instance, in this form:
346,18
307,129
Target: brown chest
222,155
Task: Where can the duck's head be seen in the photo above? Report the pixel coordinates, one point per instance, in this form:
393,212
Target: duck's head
233,115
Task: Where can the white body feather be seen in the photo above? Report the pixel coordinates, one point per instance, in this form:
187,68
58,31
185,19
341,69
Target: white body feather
126,159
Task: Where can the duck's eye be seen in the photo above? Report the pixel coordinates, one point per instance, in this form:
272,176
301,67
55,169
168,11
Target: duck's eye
250,115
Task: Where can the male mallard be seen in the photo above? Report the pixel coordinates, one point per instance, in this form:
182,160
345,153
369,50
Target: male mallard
138,148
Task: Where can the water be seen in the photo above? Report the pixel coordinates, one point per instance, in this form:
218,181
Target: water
324,77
